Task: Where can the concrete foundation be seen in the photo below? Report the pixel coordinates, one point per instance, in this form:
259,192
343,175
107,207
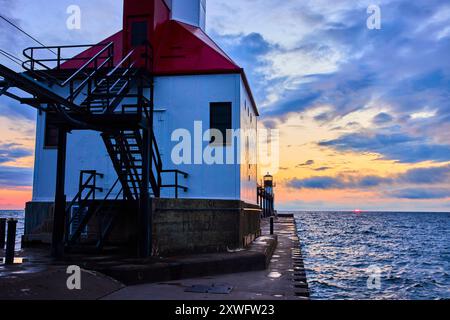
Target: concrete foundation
180,226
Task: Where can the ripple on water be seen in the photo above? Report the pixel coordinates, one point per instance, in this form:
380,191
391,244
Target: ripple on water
411,250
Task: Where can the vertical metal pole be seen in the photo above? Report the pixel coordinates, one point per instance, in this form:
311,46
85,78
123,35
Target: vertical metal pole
60,197
11,241
107,93
257,197
32,59
263,201
2,233
266,207
59,58
144,206
95,184
145,215
176,185
273,205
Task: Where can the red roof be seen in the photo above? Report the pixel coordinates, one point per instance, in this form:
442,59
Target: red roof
185,49
181,49
117,39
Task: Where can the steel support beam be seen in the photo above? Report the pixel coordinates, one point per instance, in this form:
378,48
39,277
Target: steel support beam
59,218
145,207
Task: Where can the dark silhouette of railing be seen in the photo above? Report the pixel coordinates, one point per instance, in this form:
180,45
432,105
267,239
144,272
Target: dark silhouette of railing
266,202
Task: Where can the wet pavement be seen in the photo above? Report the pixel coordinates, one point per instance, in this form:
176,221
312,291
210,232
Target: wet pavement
37,276
285,278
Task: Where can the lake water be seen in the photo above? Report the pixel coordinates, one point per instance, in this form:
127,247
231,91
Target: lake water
403,255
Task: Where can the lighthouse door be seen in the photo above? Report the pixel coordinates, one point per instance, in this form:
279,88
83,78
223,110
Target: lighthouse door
138,34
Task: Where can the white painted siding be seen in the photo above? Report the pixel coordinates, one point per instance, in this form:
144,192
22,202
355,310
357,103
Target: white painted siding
187,99
248,168
179,101
44,178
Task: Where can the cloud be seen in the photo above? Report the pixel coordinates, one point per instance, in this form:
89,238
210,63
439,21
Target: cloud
12,152
324,183
421,176
339,182
306,164
15,177
427,175
322,169
323,117
393,146
14,110
382,118
321,54
421,194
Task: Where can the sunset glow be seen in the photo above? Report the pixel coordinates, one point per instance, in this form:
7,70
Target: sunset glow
363,114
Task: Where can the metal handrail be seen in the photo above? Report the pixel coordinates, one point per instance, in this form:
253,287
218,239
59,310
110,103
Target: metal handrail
74,92
177,186
156,151
83,187
127,57
78,196
184,174
110,45
31,57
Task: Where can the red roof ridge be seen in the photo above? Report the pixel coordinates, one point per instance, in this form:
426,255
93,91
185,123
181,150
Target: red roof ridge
216,46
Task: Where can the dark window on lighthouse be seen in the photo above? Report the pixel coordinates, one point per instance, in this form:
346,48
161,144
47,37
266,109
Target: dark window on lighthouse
220,119
139,34
51,134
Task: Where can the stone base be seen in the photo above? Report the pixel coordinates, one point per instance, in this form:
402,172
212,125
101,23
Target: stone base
180,226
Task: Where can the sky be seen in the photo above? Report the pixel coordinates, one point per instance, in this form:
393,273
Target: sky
363,114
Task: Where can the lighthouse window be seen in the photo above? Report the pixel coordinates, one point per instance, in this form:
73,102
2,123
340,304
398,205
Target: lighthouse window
139,33
51,134
220,119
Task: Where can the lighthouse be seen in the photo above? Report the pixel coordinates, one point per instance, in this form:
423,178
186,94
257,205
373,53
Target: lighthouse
111,121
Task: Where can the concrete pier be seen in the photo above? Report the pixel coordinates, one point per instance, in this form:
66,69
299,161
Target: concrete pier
284,279
270,269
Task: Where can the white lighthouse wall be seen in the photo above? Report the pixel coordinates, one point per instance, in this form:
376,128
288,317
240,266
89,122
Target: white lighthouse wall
179,102
248,167
44,178
187,99
85,151
192,12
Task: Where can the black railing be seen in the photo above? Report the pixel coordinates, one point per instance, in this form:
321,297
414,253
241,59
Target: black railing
90,70
106,222
86,192
266,202
77,82
177,186
36,62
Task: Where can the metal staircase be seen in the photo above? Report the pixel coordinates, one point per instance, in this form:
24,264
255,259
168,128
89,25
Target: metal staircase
86,194
113,99
124,149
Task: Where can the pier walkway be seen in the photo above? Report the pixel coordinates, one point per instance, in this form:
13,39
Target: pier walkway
285,279
38,277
